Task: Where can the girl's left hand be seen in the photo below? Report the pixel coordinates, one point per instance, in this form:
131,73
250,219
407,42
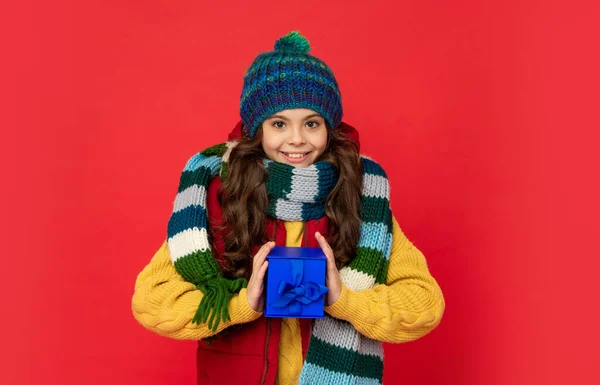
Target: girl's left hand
333,280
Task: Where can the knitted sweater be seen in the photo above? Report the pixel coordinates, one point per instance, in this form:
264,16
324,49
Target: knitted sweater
409,306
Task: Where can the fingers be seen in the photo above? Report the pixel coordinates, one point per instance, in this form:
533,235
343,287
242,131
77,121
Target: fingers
324,244
326,250
255,285
260,264
261,255
332,279
262,271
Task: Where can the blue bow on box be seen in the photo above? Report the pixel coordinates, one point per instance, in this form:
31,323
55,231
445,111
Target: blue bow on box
295,294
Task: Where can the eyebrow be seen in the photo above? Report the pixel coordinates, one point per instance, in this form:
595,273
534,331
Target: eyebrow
284,118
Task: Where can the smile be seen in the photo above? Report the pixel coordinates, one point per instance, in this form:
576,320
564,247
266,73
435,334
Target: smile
295,157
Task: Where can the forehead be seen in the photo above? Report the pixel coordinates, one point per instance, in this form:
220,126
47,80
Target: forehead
295,114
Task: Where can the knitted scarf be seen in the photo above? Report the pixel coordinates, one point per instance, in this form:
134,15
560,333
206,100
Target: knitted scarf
337,353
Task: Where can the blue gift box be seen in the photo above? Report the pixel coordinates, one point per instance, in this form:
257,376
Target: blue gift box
295,282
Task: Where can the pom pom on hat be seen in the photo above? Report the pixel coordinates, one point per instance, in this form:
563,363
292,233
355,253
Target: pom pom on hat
293,42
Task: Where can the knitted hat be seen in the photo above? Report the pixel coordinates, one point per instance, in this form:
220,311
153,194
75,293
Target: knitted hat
285,78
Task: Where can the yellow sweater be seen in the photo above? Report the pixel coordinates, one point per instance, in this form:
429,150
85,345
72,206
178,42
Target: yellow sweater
407,307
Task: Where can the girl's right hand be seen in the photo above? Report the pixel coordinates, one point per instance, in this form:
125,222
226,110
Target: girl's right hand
255,284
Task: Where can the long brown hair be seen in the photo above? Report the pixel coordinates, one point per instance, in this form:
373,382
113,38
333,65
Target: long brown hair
244,200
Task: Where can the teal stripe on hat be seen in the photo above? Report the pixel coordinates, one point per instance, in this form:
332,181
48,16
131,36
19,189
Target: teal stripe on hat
283,74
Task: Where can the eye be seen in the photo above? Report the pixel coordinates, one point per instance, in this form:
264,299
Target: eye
312,124
278,124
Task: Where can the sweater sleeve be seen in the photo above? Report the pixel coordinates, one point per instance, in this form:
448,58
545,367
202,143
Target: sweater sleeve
406,308
163,302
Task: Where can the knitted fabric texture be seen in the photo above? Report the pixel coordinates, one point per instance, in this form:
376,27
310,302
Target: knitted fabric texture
286,78
337,353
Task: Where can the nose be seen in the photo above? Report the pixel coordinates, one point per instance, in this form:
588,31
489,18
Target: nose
296,136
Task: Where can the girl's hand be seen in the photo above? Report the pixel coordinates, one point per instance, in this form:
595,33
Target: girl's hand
256,284
333,280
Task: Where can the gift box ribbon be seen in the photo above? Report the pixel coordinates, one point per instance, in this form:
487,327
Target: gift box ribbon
295,294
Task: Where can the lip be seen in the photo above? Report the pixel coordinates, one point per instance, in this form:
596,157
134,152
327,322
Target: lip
295,160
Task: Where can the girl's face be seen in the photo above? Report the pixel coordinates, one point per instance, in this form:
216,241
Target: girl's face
296,137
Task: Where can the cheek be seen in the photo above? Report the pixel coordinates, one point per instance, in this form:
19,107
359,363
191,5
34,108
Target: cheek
269,146
321,142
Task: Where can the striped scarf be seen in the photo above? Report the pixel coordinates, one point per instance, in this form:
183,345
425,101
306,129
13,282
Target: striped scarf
337,353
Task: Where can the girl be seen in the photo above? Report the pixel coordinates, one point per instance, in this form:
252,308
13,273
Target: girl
290,175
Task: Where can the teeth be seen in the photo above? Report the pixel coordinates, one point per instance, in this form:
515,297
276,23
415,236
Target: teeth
298,156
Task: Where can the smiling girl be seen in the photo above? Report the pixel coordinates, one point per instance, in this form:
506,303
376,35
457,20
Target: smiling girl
290,175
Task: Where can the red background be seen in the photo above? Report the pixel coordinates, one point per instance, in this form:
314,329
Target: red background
484,113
